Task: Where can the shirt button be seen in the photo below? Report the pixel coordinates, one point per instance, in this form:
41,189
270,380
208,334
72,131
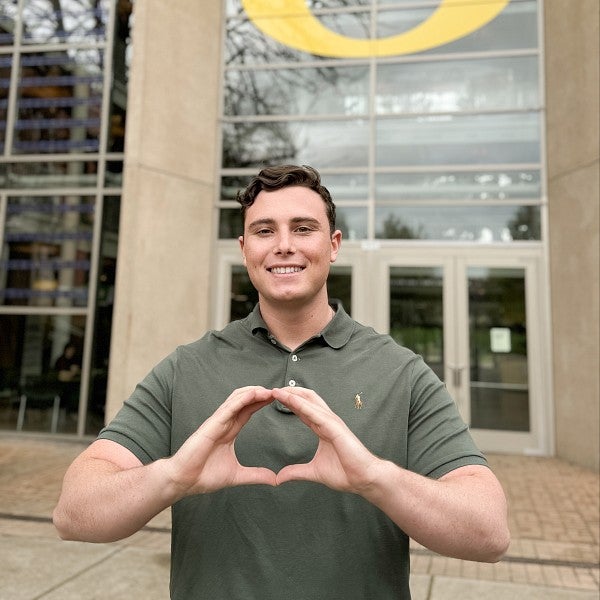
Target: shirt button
292,382
273,341
294,357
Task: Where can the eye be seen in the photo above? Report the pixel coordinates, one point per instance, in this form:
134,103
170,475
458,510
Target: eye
304,229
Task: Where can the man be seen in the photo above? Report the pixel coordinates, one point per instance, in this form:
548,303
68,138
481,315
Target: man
299,449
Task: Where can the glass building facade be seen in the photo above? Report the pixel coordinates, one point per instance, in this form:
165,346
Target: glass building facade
457,155
63,92
441,145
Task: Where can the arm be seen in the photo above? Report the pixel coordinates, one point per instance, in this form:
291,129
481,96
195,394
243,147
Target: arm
109,495
463,514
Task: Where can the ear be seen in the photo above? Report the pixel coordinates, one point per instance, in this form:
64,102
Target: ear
241,242
336,242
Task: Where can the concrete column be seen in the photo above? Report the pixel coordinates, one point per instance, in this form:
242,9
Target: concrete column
166,229
571,48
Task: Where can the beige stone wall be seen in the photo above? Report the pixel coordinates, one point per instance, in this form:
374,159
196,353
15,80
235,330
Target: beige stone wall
162,298
572,54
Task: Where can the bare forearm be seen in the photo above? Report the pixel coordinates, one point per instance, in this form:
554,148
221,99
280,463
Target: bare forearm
462,517
101,503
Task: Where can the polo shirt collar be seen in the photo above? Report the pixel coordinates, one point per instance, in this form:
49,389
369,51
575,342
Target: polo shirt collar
336,334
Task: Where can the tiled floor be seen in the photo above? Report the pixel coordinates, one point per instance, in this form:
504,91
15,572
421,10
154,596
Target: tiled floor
554,516
554,522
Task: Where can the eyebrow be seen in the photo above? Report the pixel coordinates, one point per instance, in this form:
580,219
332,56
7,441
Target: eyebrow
294,221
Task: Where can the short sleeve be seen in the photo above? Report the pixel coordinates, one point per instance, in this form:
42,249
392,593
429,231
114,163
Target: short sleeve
438,439
143,425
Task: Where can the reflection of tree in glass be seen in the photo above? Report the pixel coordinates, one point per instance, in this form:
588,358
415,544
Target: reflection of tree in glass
246,144
526,224
64,19
265,92
394,228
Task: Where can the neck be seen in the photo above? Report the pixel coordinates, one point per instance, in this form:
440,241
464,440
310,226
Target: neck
292,326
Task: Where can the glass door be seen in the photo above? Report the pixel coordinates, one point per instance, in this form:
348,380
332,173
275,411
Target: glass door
499,379
478,323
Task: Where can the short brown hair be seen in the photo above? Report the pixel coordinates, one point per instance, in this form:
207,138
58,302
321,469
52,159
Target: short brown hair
282,176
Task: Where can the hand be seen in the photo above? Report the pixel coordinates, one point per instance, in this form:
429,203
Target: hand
207,462
341,461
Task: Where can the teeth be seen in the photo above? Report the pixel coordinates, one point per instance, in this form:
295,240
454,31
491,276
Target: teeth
284,270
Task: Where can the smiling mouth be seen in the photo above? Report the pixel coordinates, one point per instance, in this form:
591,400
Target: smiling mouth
285,270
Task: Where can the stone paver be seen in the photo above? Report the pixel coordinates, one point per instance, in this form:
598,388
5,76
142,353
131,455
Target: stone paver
554,521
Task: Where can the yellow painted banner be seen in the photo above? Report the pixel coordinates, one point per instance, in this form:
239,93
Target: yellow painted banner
291,23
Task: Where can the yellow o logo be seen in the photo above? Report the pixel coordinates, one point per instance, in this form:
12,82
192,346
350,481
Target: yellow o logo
291,23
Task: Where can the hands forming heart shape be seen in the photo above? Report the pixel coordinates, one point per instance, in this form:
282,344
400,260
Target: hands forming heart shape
207,462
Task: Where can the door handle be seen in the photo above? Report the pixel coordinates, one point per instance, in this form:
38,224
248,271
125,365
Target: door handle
456,375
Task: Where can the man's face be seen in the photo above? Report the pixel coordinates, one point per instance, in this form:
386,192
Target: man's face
287,246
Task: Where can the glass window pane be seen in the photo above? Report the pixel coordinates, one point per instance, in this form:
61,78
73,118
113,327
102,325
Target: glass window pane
230,223
121,60
105,297
40,365
498,349
417,312
47,251
320,144
113,176
351,186
232,184
339,286
456,185
514,28
47,21
454,86
48,174
352,222
59,102
8,22
482,224
451,140
355,25
314,91
5,70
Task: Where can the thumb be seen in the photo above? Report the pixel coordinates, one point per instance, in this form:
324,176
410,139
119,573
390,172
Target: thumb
301,472
255,475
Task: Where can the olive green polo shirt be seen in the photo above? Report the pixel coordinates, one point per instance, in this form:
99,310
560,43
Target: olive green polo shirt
300,540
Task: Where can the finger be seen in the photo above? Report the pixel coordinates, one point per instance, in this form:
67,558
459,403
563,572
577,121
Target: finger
304,394
311,409
235,412
252,398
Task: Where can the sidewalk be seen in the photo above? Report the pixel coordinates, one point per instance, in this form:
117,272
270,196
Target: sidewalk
554,521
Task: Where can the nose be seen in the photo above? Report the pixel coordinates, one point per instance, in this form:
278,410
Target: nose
284,243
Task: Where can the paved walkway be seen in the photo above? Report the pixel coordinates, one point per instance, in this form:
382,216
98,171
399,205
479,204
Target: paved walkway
554,521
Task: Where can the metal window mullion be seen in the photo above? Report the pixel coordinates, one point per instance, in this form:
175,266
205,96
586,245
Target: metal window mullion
371,114
385,60
372,129
98,219
34,48
45,310
70,157
46,191
14,81
106,94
